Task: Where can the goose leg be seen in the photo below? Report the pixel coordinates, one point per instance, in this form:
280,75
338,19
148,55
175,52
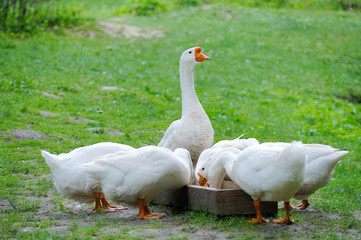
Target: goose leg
98,206
305,204
259,219
144,212
110,208
287,218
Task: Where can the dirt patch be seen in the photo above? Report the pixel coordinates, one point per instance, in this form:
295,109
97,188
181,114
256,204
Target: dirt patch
50,95
5,204
96,130
25,134
101,130
111,88
46,113
115,133
207,6
357,214
64,214
87,34
119,30
117,19
81,120
57,215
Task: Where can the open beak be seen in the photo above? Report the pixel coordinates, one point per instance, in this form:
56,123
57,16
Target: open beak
202,181
200,57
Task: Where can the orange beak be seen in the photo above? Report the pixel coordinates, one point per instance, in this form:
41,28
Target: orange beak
200,57
202,181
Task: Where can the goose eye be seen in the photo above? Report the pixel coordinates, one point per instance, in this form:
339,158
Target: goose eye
202,168
190,52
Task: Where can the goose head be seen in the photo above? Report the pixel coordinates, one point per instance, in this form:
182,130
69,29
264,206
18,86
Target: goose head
212,171
193,56
204,157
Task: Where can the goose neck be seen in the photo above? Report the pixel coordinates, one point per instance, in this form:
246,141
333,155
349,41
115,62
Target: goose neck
189,97
221,166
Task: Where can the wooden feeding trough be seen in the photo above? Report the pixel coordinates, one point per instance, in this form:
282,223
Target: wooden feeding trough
228,200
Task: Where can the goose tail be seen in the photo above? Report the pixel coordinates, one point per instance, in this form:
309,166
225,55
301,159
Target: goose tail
336,156
51,160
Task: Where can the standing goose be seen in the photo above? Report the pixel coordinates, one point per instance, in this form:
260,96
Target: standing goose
194,130
265,173
136,177
73,182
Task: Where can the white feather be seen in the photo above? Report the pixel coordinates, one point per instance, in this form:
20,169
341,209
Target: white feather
141,174
72,181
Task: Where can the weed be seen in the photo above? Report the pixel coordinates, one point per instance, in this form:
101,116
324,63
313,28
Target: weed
29,205
178,238
353,95
30,16
41,186
145,7
189,2
321,4
65,209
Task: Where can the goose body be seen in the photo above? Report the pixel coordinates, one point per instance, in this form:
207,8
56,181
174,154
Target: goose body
137,176
236,143
320,165
73,182
264,172
194,130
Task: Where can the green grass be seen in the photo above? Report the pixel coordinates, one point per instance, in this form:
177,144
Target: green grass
277,75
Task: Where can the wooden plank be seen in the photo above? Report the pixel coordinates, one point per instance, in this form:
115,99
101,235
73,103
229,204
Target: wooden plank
177,198
229,200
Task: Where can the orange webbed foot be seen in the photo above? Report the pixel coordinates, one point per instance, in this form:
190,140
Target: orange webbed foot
283,220
305,204
256,220
287,218
152,216
96,209
111,208
147,212
108,210
259,219
144,211
117,207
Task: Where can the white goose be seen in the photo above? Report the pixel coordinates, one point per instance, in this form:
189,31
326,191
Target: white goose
136,177
320,165
73,182
237,144
194,130
265,173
